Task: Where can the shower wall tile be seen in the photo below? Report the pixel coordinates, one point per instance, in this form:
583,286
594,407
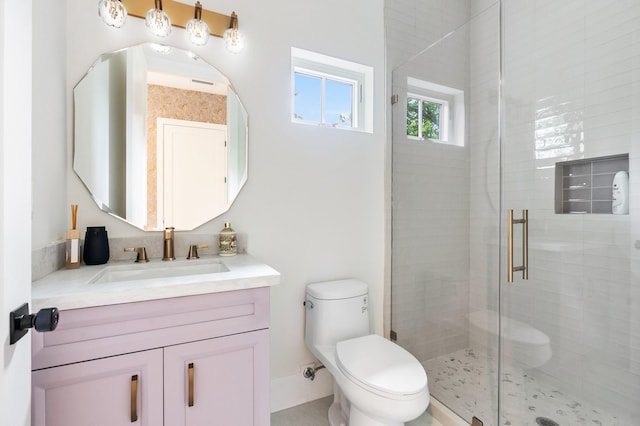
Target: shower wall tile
430,247
430,255
412,26
480,6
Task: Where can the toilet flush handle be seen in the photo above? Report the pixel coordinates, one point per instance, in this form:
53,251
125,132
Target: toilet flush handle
308,304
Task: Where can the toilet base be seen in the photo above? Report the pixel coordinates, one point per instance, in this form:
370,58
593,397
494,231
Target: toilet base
358,418
341,410
336,417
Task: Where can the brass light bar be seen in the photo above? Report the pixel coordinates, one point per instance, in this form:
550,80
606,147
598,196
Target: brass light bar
180,14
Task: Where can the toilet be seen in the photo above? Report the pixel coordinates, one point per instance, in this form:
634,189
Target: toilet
376,382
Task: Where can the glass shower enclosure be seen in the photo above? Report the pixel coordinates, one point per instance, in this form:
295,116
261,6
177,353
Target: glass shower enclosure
515,266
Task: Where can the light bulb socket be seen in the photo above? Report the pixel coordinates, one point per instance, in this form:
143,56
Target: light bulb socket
158,4
198,11
233,21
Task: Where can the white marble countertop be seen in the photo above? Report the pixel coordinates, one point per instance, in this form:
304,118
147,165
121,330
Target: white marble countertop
74,288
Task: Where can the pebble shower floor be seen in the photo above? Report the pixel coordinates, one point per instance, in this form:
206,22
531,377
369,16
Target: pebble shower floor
461,381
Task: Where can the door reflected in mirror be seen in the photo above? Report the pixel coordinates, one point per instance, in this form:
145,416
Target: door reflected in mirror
160,137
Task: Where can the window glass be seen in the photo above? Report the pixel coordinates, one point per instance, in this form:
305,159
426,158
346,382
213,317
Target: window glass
413,117
435,113
427,118
431,120
331,92
308,97
338,103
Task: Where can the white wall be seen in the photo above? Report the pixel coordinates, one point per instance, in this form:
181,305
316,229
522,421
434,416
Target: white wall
313,207
51,215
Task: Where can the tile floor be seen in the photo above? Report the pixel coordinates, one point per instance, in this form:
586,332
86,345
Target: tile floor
314,413
461,381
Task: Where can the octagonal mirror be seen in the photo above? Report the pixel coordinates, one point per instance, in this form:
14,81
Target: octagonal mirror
160,137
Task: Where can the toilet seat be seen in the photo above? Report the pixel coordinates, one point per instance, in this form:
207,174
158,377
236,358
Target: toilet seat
381,366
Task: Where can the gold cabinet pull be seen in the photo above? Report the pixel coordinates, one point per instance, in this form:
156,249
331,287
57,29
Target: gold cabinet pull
134,398
191,379
525,245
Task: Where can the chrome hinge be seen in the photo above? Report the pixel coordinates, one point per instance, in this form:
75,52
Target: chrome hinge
393,336
394,99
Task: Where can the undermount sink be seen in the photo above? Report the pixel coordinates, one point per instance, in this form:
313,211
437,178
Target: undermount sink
158,269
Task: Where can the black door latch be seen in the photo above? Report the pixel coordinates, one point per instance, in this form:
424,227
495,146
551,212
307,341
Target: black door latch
20,321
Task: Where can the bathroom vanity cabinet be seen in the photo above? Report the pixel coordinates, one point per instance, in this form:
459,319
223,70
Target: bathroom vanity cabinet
193,360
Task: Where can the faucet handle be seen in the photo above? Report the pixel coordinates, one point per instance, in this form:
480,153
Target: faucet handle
142,254
193,250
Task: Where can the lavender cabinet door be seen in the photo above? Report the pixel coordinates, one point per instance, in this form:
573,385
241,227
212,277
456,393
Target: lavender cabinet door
120,390
222,381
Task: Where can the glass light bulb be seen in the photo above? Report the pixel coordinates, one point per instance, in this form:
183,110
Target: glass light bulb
112,12
234,40
198,32
158,22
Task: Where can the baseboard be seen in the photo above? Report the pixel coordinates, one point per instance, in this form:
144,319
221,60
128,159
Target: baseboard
289,391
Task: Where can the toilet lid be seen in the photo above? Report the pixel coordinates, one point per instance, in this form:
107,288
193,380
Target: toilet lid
381,365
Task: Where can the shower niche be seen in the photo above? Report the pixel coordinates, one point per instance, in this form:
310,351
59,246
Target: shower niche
593,186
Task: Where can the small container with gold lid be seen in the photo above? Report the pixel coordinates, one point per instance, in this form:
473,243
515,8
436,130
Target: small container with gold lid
228,245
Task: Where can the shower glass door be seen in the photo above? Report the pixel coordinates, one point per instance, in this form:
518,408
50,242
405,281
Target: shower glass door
446,211
570,132
532,107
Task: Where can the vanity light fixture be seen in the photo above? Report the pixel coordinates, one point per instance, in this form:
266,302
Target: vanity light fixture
112,12
233,38
197,29
157,21
182,15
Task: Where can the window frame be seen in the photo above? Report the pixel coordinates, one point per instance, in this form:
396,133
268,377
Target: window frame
342,71
453,123
356,89
445,119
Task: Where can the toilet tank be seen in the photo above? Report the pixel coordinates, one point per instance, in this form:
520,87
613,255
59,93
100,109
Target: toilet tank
336,311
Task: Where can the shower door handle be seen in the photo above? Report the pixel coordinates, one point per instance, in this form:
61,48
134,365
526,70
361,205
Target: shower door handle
525,245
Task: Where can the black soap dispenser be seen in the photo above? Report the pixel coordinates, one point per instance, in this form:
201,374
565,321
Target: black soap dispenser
96,246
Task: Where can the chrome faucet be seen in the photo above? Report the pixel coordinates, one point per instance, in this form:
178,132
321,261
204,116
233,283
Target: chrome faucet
168,253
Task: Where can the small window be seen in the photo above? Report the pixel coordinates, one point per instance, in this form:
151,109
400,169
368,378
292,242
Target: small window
427,118
435,113
324,98
331,92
